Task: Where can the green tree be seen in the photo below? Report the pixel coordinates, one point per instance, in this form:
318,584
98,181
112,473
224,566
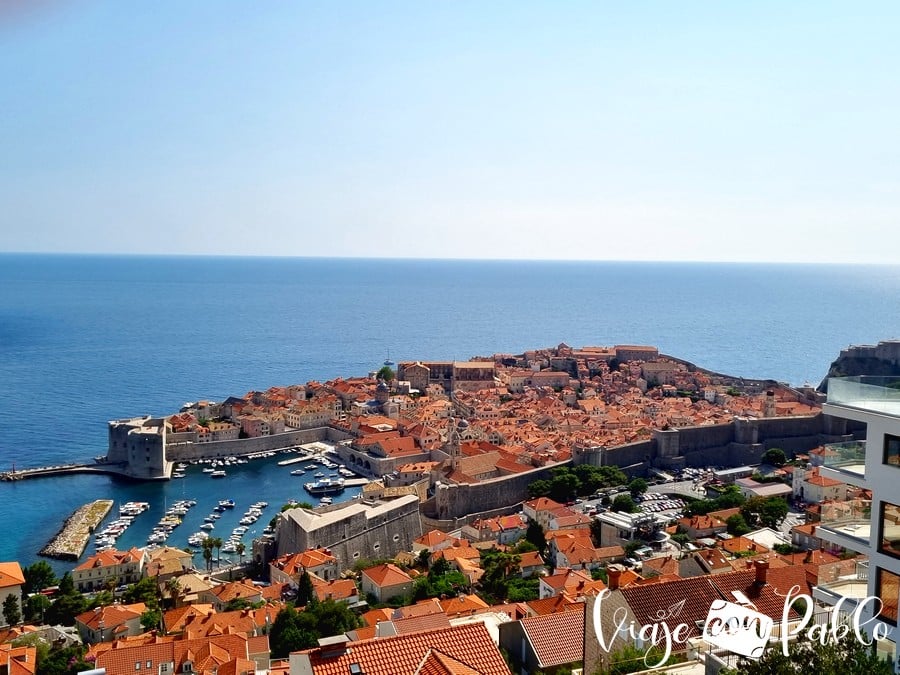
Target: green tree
35,606
11,612
538,488
65,608
764,511
774,456
293,630
535,534
499,568
151,619
564,486
624,503
173,590
306,592
637,487
208,553
66,584
846,656
737,525
217,544
386,373
144,591
288,635
240,548
38,576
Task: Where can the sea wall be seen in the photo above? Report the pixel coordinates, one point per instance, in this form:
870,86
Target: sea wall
179,451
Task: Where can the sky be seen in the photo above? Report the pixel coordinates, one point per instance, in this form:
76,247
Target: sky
696,131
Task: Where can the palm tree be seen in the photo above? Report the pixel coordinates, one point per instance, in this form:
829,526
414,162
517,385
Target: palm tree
217,544
240,548
207,553
173,588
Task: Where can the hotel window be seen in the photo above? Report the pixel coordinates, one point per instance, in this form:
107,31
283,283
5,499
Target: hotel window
890,529
888,590
891,450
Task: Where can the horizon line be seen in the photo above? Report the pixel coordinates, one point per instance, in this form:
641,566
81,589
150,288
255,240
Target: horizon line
132,254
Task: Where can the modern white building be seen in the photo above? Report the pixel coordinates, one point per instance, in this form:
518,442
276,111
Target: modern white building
870,526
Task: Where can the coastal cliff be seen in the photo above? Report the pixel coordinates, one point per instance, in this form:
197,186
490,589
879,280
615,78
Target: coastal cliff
882,359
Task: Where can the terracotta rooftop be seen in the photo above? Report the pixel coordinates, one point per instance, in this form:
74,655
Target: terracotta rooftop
11,575
386,574
554,637
470,645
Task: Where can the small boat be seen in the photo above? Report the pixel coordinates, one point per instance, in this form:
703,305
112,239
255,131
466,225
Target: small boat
218,474
325,501
325,486
298,472
207,526
227,503
208,469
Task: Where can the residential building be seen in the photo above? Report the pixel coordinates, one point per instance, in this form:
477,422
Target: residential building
544,643
865,409
109,569
317,561
17,660
234,653
385,581
104,624
11,581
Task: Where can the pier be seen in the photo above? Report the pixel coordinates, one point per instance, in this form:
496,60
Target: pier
70,542
60,470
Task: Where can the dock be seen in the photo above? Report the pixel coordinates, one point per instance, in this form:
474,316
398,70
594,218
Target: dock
60,470
70,542
293,460
355,482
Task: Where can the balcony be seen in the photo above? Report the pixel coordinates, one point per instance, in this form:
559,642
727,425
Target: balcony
850,588
847,524
866,393
847,461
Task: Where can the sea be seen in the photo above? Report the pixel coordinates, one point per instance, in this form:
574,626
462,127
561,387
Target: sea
85,339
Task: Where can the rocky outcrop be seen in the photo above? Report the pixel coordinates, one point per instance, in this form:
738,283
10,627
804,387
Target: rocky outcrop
878,360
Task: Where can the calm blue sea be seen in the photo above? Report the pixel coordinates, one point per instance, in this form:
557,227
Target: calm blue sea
85,339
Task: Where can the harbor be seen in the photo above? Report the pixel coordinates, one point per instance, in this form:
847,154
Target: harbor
70,542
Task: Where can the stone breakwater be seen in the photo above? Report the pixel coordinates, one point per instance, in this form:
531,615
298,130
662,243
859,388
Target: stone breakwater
70,542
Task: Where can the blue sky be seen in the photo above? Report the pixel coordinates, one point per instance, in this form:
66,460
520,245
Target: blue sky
718,131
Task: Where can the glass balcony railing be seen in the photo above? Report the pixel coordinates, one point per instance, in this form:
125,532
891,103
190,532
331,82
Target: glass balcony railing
852,518
846,579
849,457
872,393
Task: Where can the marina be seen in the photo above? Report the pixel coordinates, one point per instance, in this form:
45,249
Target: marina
70,542
247,481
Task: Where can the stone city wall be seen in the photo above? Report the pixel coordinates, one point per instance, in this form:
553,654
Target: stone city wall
743,441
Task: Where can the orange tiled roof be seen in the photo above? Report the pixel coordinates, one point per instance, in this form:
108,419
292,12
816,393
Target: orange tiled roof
386,574
11,575
469,644
463,605
18,660
111,615
552,635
